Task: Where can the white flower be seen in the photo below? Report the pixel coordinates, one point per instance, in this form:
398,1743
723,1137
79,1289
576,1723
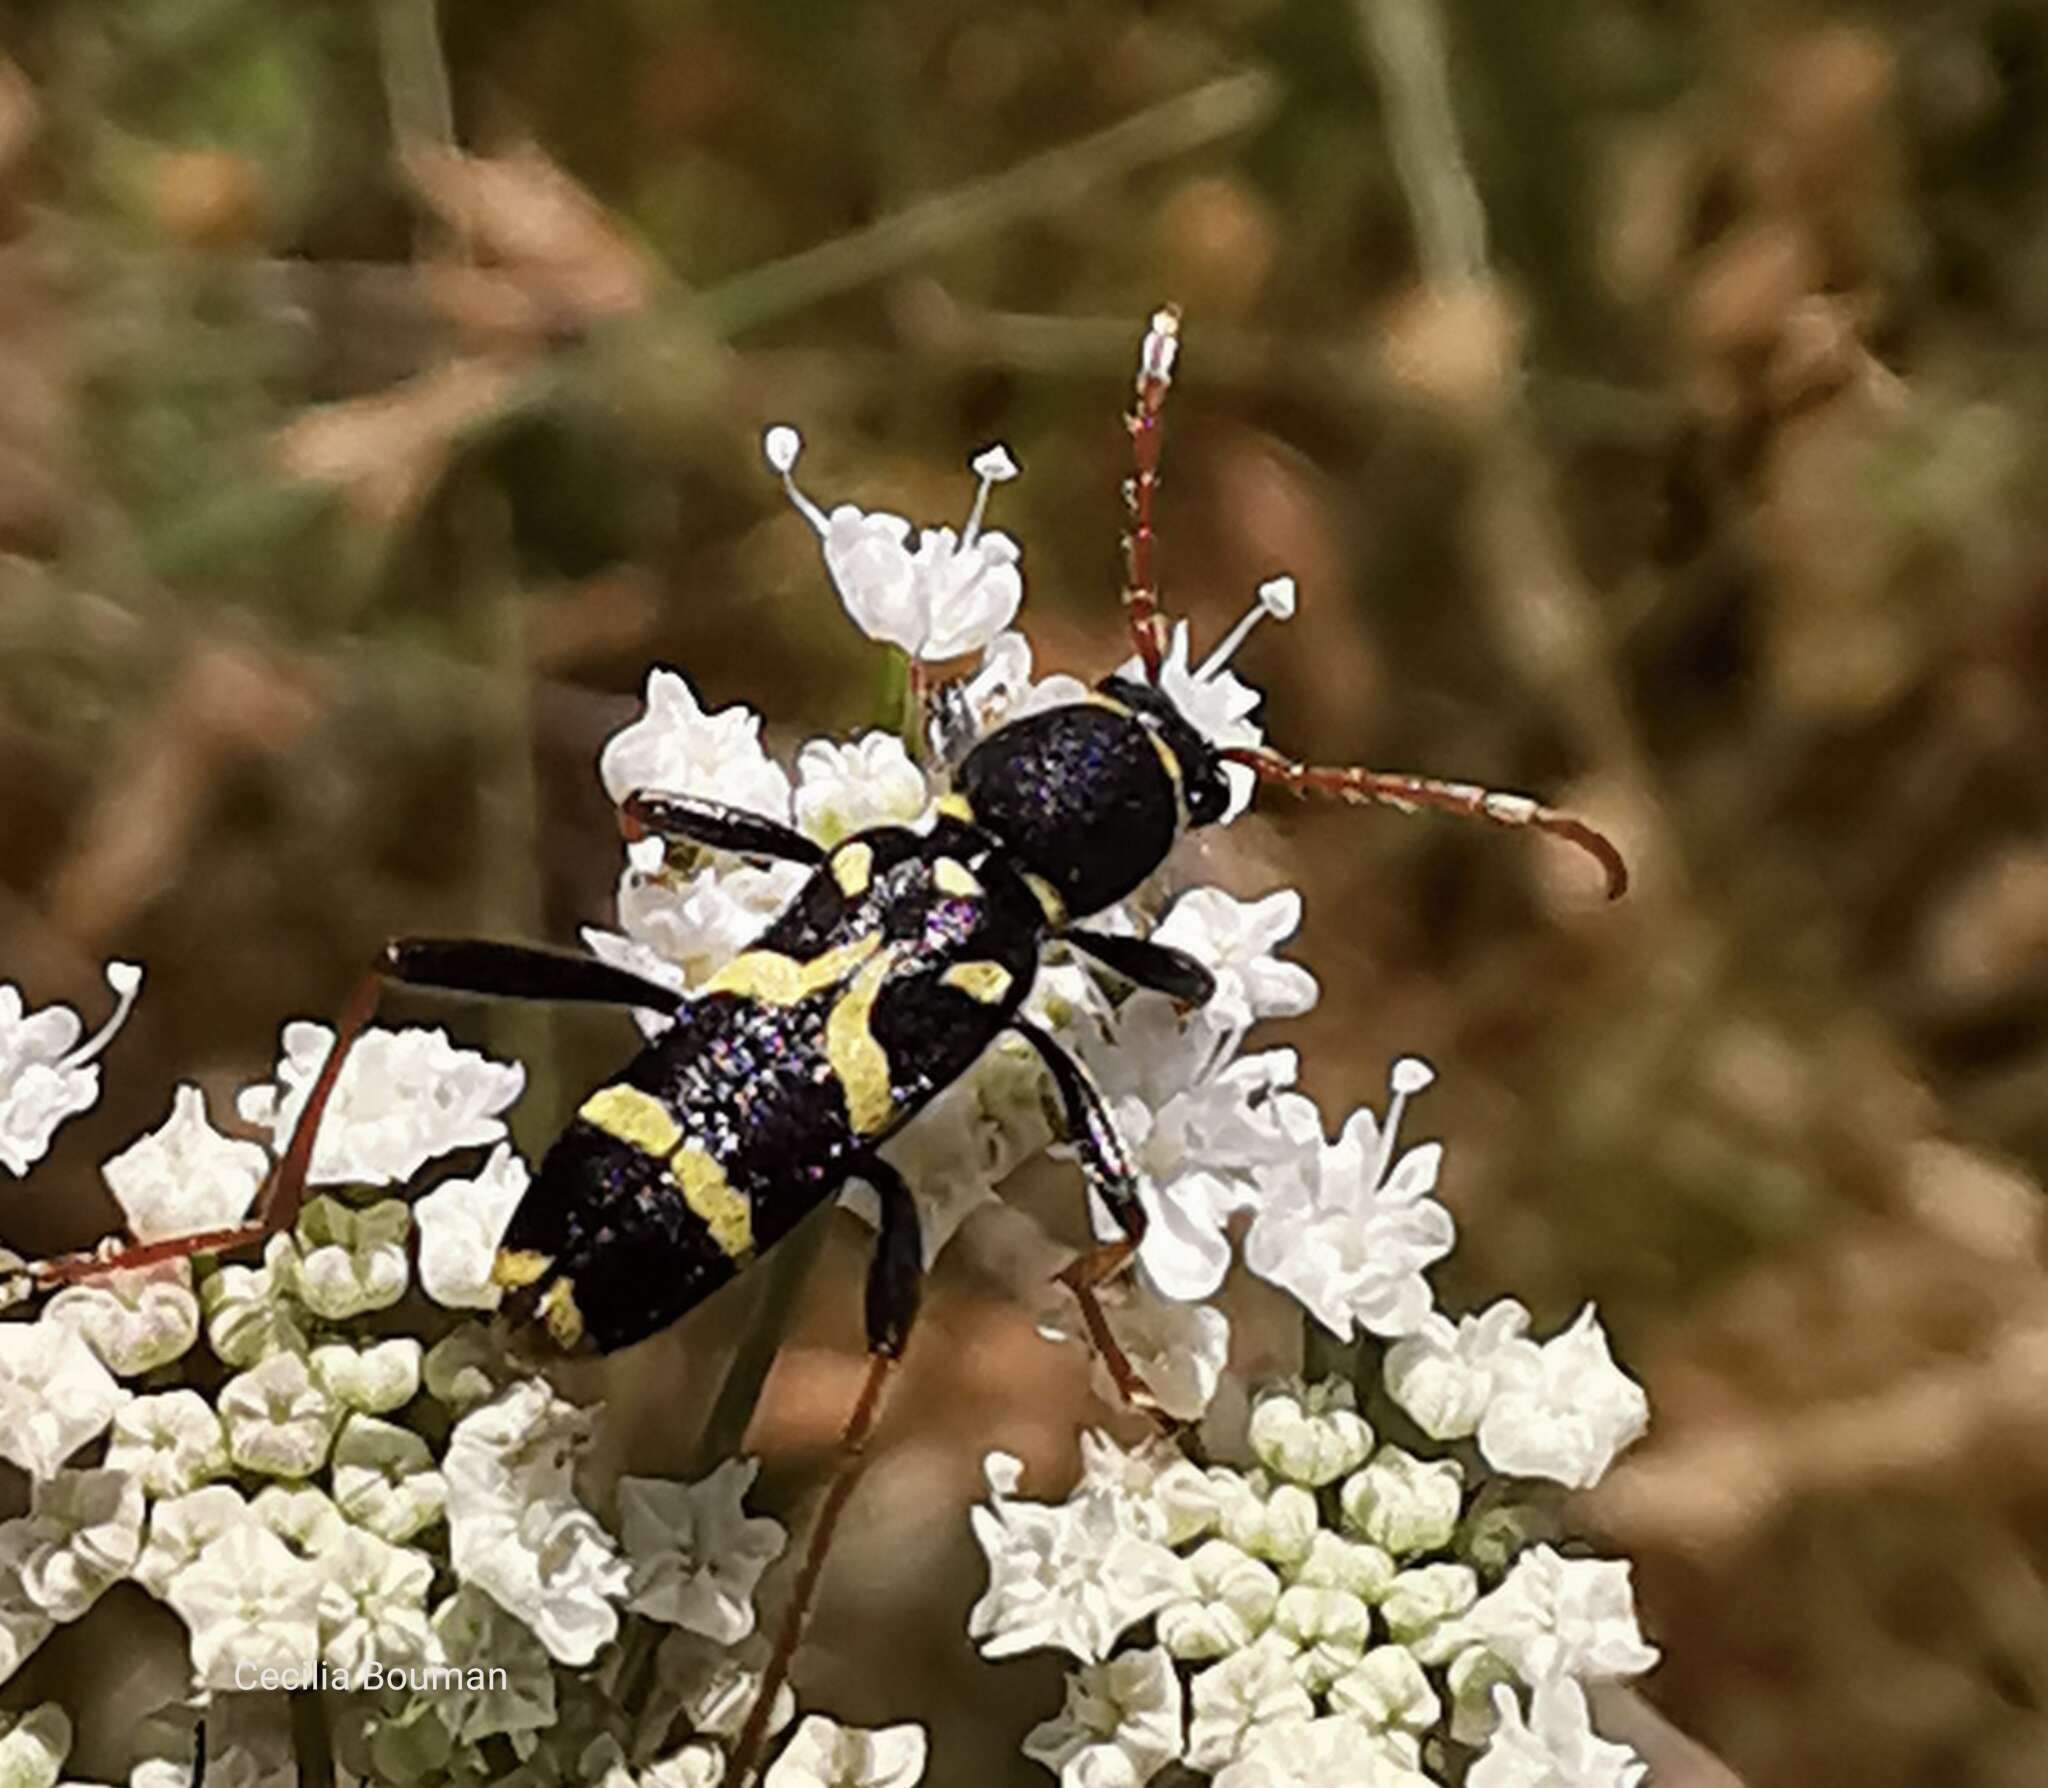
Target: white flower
697,1555
472,1631
1074,1576
676,748
1213,701
461,1223
249,1603
304,1518
46,1074
373,1603
1387,1688
183,1527
185,1177
948,595
1001,689
279,1421
250,1313
1276,1522
23,1626
1557,1748
825,1754
351,1262
1312,1434
1235,939
694,924
172,1442
54,1395
1353,1231
1334,1562
1232,1603
1206,1129
694,1766
401,1099
843,789
516,1529
136,1319
82,1534
710,1688
1120,1727
33,1750
384,1479
1563,1411
1405,1504
464,1367
375,1379
1444,1375
1333,1752
1328,1630
1178,1350
1233,1701
1558,1616
1422,1608
1164,1494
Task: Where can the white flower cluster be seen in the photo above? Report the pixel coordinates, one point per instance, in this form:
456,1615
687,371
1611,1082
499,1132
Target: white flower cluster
325,1475
1341,1614
393,1518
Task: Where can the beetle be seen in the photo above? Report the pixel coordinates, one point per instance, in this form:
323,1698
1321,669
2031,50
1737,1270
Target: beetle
905,954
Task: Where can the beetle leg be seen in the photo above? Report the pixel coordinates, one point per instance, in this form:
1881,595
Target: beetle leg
895,1277
1139,960
688,819
454,965
896,1274
1114,1180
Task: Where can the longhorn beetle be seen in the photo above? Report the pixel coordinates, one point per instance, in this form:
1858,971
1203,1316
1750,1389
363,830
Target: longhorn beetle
907,952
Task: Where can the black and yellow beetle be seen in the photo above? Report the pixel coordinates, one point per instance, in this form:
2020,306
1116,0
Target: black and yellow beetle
906,953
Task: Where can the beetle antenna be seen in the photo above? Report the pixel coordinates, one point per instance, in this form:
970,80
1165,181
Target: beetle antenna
1141,577
1410,794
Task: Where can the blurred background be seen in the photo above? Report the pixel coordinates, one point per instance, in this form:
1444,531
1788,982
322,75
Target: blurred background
1650,400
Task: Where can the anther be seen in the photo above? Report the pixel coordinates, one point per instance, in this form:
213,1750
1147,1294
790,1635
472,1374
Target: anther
782,444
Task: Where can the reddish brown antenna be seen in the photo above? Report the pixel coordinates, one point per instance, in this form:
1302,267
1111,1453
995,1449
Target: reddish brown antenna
1141,576
1409,794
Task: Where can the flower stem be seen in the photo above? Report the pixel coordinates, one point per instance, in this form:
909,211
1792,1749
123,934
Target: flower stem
782,1280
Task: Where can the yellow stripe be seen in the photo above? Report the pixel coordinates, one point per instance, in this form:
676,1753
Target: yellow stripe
514,1267
706,1190
859,1061
781,980
1173,774
954,877
564,1320
634,1117
957,807
852,867
1096,698
1049,900
983,981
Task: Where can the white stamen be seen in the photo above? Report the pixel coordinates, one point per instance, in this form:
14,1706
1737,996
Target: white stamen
782,444
125,978
1276,598
1409,1075
992,466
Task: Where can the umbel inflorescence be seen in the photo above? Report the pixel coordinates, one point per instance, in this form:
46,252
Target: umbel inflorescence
328,1465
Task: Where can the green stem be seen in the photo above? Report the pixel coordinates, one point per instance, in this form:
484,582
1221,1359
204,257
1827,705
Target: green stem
782,1278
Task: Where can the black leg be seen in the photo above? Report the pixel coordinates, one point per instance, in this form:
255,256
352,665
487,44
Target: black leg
1158,966
1111,1175
1089,1130
896,1274
689,819
456,965
519,972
